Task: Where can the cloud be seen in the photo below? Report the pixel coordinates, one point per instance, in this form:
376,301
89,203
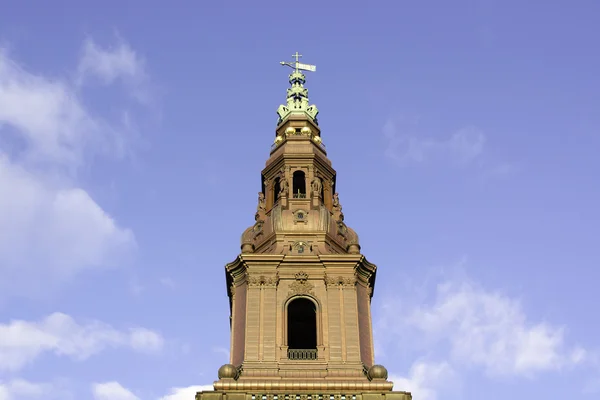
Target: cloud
491,330
112,64
59,228
501,170
46,119
20,389
467,328
168,282
21,342
404,145
111,391
186,393
50,227
425,379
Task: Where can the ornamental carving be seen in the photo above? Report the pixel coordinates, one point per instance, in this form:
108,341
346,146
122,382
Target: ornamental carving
342,229
340,281
316,186
261,209
232,291
301,285
262,280
257,229
336,208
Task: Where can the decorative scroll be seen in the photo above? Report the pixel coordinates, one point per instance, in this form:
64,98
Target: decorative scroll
301,285
261,280
340,281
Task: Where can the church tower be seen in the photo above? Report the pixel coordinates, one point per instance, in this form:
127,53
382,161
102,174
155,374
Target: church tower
300,291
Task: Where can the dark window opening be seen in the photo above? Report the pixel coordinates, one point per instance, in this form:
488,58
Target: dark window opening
276,189
302,324
299,184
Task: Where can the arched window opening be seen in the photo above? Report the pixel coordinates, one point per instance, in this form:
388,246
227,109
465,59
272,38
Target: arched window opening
299,185
302,330
276,188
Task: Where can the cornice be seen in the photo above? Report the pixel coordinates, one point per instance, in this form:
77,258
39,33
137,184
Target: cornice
294,385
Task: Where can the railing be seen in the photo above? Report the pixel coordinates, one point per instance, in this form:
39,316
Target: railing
299,195
303,397
302,354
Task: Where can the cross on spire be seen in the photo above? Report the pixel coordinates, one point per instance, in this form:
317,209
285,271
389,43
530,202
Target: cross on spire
297,65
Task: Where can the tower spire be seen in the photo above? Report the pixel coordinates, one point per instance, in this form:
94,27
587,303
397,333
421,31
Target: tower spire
300,290
297,95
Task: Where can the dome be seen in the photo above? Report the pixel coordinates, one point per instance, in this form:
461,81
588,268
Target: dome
248,240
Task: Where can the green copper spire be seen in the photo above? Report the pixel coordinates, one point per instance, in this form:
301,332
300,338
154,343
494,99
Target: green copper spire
297,95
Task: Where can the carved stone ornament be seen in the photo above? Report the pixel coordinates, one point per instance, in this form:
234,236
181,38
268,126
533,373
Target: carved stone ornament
316,186
340,281
257,229
336,208
342,229
301,285
261,209
262,280
283,186
232,291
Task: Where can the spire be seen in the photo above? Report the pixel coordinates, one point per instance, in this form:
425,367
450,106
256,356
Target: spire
297,95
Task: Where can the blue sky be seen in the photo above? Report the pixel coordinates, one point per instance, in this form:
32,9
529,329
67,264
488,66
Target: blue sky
465,135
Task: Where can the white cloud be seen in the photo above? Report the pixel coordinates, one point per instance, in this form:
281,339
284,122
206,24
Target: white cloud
18,389
142,339
111,391
186,393
115,391
52,232
468,329
405,145
168,282
425,379
50,227
21,342
47,118
492,331
469,326
114,63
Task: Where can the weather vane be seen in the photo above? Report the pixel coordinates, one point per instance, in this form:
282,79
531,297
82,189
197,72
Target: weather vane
297,65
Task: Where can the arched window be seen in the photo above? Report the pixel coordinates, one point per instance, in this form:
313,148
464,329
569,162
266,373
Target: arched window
299,185
276,189
302,329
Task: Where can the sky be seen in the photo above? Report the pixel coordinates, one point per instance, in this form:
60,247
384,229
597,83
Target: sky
465,135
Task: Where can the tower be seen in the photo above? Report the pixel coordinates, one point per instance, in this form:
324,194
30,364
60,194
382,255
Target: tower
300,291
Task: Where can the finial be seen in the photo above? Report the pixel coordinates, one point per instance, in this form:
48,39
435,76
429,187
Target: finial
298,66
297,95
